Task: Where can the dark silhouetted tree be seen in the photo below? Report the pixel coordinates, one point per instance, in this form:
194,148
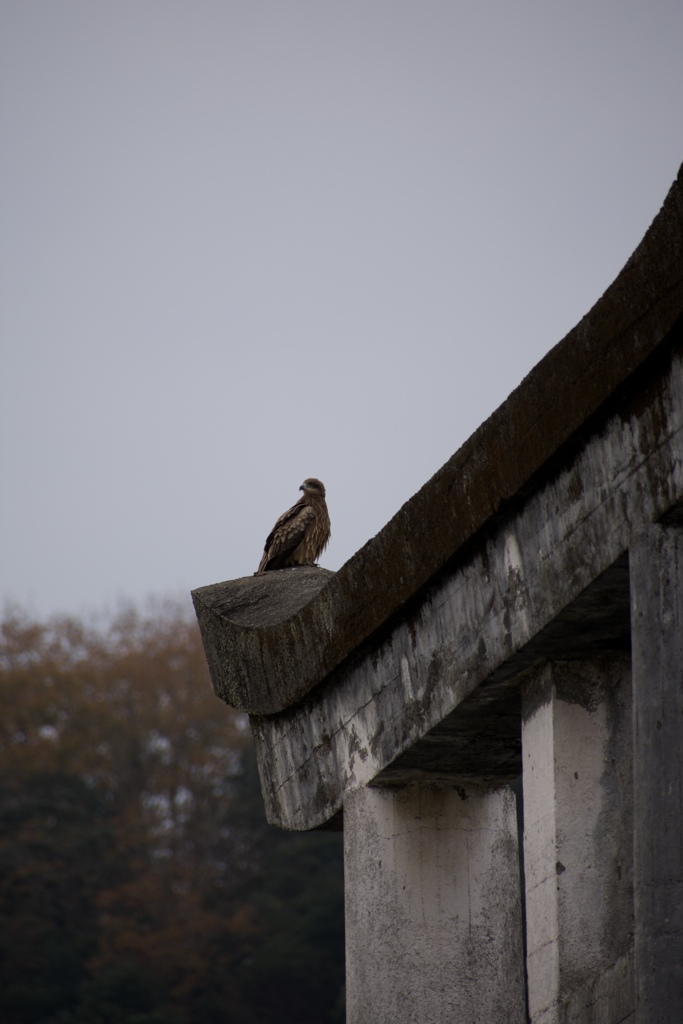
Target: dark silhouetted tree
139,881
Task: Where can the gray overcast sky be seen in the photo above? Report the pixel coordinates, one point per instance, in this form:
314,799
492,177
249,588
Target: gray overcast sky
249,241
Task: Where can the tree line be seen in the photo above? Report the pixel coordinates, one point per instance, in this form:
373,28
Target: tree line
139,881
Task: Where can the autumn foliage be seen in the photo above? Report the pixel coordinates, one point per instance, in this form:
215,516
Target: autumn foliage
139,882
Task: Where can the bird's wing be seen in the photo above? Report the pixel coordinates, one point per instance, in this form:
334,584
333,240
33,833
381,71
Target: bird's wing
287,533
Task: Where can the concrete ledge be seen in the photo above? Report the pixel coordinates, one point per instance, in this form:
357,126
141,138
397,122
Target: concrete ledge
250,635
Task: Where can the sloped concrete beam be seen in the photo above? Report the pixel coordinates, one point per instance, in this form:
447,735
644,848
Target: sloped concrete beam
499,465
486,618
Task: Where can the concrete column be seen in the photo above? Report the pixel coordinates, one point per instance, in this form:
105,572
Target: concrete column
656,568
576,725
433,906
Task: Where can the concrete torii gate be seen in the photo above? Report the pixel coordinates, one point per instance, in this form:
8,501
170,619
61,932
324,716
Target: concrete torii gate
521,615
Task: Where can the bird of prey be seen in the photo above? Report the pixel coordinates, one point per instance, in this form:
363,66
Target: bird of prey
301,533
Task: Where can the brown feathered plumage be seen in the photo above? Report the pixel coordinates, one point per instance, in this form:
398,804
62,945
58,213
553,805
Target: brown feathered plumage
301,533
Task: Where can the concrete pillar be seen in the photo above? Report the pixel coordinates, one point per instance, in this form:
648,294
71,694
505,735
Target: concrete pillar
656,569
576,724
433,906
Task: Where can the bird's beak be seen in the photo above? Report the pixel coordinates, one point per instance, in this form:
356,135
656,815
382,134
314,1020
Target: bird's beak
302,488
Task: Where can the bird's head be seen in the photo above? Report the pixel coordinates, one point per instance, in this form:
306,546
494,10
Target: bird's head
313,486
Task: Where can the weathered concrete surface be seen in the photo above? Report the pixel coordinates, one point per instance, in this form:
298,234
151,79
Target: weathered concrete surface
657,602
420,658
433,908
578,824
492,474
488,616
482,736
237,620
